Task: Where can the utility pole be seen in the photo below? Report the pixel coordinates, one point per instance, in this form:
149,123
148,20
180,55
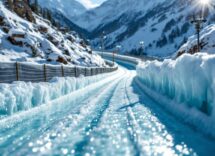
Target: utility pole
198,22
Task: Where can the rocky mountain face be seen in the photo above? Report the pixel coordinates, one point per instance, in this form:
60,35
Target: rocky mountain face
63,14
28,37
21,8
163,25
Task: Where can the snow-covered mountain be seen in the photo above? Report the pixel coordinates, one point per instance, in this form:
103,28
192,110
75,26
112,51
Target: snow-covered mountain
164,25
36,40
68,8
62,12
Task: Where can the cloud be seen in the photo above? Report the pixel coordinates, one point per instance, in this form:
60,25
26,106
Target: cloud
88,4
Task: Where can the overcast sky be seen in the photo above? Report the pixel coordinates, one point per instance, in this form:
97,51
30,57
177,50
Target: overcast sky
91,3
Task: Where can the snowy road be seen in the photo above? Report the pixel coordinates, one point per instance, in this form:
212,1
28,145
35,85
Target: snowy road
113,118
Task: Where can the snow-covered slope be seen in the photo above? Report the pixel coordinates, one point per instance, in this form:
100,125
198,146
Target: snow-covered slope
40,42
68,8
207,40
111,10
163,25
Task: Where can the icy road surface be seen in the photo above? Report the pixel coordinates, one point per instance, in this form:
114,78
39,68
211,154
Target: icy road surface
114,118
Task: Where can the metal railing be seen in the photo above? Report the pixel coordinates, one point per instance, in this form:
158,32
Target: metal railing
135,59
20,71
107,55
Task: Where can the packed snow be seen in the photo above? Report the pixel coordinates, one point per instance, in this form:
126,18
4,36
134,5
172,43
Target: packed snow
40,42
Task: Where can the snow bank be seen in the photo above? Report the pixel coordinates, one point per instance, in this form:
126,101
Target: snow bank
189,80
186,87
21,96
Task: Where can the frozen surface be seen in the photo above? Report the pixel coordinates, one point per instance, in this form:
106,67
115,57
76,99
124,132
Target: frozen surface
189,85
113,117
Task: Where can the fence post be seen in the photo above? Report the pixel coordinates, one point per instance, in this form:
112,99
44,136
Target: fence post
62,70
17,71
45,73
85,71
75,72
71,69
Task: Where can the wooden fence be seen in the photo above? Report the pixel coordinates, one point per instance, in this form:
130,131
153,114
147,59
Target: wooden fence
19,71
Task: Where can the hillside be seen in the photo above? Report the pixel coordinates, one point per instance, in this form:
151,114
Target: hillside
207,42
36,40
164,25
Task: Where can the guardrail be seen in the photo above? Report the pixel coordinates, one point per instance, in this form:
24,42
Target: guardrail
123,58
142,57
19,71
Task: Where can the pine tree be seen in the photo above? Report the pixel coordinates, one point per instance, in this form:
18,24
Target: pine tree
54,23
162,42
44,13
49,16
29,2
35,7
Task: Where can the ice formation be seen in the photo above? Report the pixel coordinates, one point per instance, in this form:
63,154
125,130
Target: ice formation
21,96
189,80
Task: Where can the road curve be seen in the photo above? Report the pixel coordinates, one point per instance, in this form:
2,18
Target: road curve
115,118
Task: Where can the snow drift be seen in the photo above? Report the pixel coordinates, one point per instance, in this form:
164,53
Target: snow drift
21,96
189,79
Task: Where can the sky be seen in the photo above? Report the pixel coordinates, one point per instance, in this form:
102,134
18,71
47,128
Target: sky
91,3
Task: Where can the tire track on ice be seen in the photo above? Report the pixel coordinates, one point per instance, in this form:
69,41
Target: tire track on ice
27,134
80,146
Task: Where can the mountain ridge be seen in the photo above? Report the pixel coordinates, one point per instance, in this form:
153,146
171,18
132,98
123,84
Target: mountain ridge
129,22
68,8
